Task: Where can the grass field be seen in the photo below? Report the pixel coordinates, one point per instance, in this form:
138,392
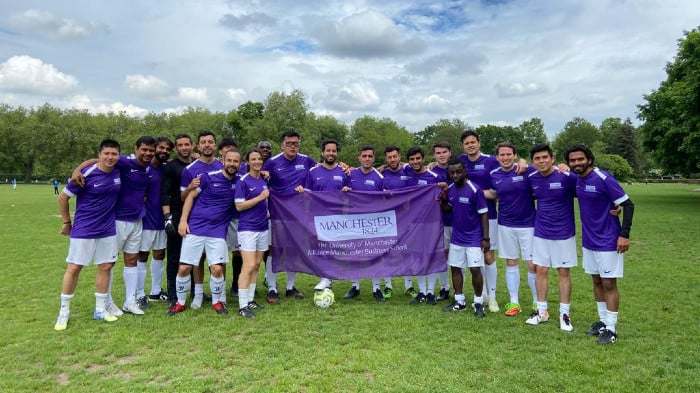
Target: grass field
358,345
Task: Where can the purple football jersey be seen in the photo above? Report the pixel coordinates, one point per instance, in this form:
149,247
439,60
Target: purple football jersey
286,175
468,204
255,218
394,180
444,176
153,220
134,177
598,193
95,205
213,208
554,218
479,173
321,178
195,169
516,207
370,181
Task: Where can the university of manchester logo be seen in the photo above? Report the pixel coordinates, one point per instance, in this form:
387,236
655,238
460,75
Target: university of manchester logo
355,226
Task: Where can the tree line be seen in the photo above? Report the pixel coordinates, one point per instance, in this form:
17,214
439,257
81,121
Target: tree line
47,142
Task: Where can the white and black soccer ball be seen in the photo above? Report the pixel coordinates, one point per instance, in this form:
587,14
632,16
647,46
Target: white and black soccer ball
324,298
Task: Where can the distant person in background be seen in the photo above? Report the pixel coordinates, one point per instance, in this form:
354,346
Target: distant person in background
55,186
14,184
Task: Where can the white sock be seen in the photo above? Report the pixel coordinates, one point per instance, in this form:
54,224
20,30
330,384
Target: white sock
542,307
387,282
444,280
65,305
109,287
564,309
356,284
602,311
270,276
216,285
422,285
611,320
130,278
291,279
533,288
485,287
141,271
251,292
156,276
491,278
100,301
459,298
478,299
408,281
513,283
182,287
242,297
198,289
431,279
376,283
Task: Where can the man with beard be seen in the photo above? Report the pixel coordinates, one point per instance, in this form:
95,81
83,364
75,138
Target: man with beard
207,162
206,214
171,204
604,239
154,236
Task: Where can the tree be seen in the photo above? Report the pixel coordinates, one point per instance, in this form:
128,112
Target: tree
491,135
671,114
576,131
378,133
442,130
614,164
621,139
533,134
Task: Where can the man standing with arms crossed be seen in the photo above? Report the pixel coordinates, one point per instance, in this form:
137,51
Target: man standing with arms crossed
604,239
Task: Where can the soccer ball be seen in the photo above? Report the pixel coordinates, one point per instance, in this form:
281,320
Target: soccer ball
324,298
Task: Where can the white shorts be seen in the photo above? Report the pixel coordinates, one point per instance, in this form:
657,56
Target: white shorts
465,257
448,237
232,236
129,236
193,246
515,242
554,253
607,264
493,234
253,241
152,239
83,251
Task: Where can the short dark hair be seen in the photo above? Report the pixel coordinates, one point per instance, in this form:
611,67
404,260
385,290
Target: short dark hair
443,144
261,143
109,143
365,148
586,151
180,136
455,161
227,141
328,142
415,150
391,148
507,145
289,134
541,147
165,139
146,140
468,133
205,133
256,150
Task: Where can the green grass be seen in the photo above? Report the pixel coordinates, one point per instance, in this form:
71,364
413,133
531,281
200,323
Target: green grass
359,345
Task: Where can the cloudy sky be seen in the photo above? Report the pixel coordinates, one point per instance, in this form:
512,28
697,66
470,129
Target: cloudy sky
485,62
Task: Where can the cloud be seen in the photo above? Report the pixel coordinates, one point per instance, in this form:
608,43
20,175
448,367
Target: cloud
47,25
238,96
27,74
193,96
354,96
452,63
245,21
430,104
145,86
84,102
365,35
517,89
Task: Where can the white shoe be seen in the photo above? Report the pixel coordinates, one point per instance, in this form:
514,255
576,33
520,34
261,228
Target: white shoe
493,305
112,309
61,323
132,308
323,284
565,323
536,318
103,315
197,301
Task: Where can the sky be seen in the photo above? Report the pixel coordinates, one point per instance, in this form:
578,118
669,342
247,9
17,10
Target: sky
485,62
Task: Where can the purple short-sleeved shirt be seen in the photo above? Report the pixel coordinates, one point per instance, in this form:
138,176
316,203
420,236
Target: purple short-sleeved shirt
370,181
598,193
95,205
134,177
286,175
554,219
468,204
255,218
516,207
213,208
479,173
321,178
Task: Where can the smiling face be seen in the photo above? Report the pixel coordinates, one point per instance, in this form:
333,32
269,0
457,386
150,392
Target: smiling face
416,162
232,161
543,161
366,159
393,159
255,161
163,151
457,173
144,153
579,163
207,145
183,146
330,153
441,155
506,157
471,145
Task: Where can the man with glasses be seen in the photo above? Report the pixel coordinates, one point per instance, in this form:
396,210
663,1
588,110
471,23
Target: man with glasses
287,171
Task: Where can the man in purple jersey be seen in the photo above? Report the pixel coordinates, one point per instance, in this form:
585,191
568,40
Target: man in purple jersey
206,214
171,204
225,145
367,178
516,222
604,239
130,210
93,237
287,171
207,162
554,243
419,175
327,177
153,236
442,153
470,234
